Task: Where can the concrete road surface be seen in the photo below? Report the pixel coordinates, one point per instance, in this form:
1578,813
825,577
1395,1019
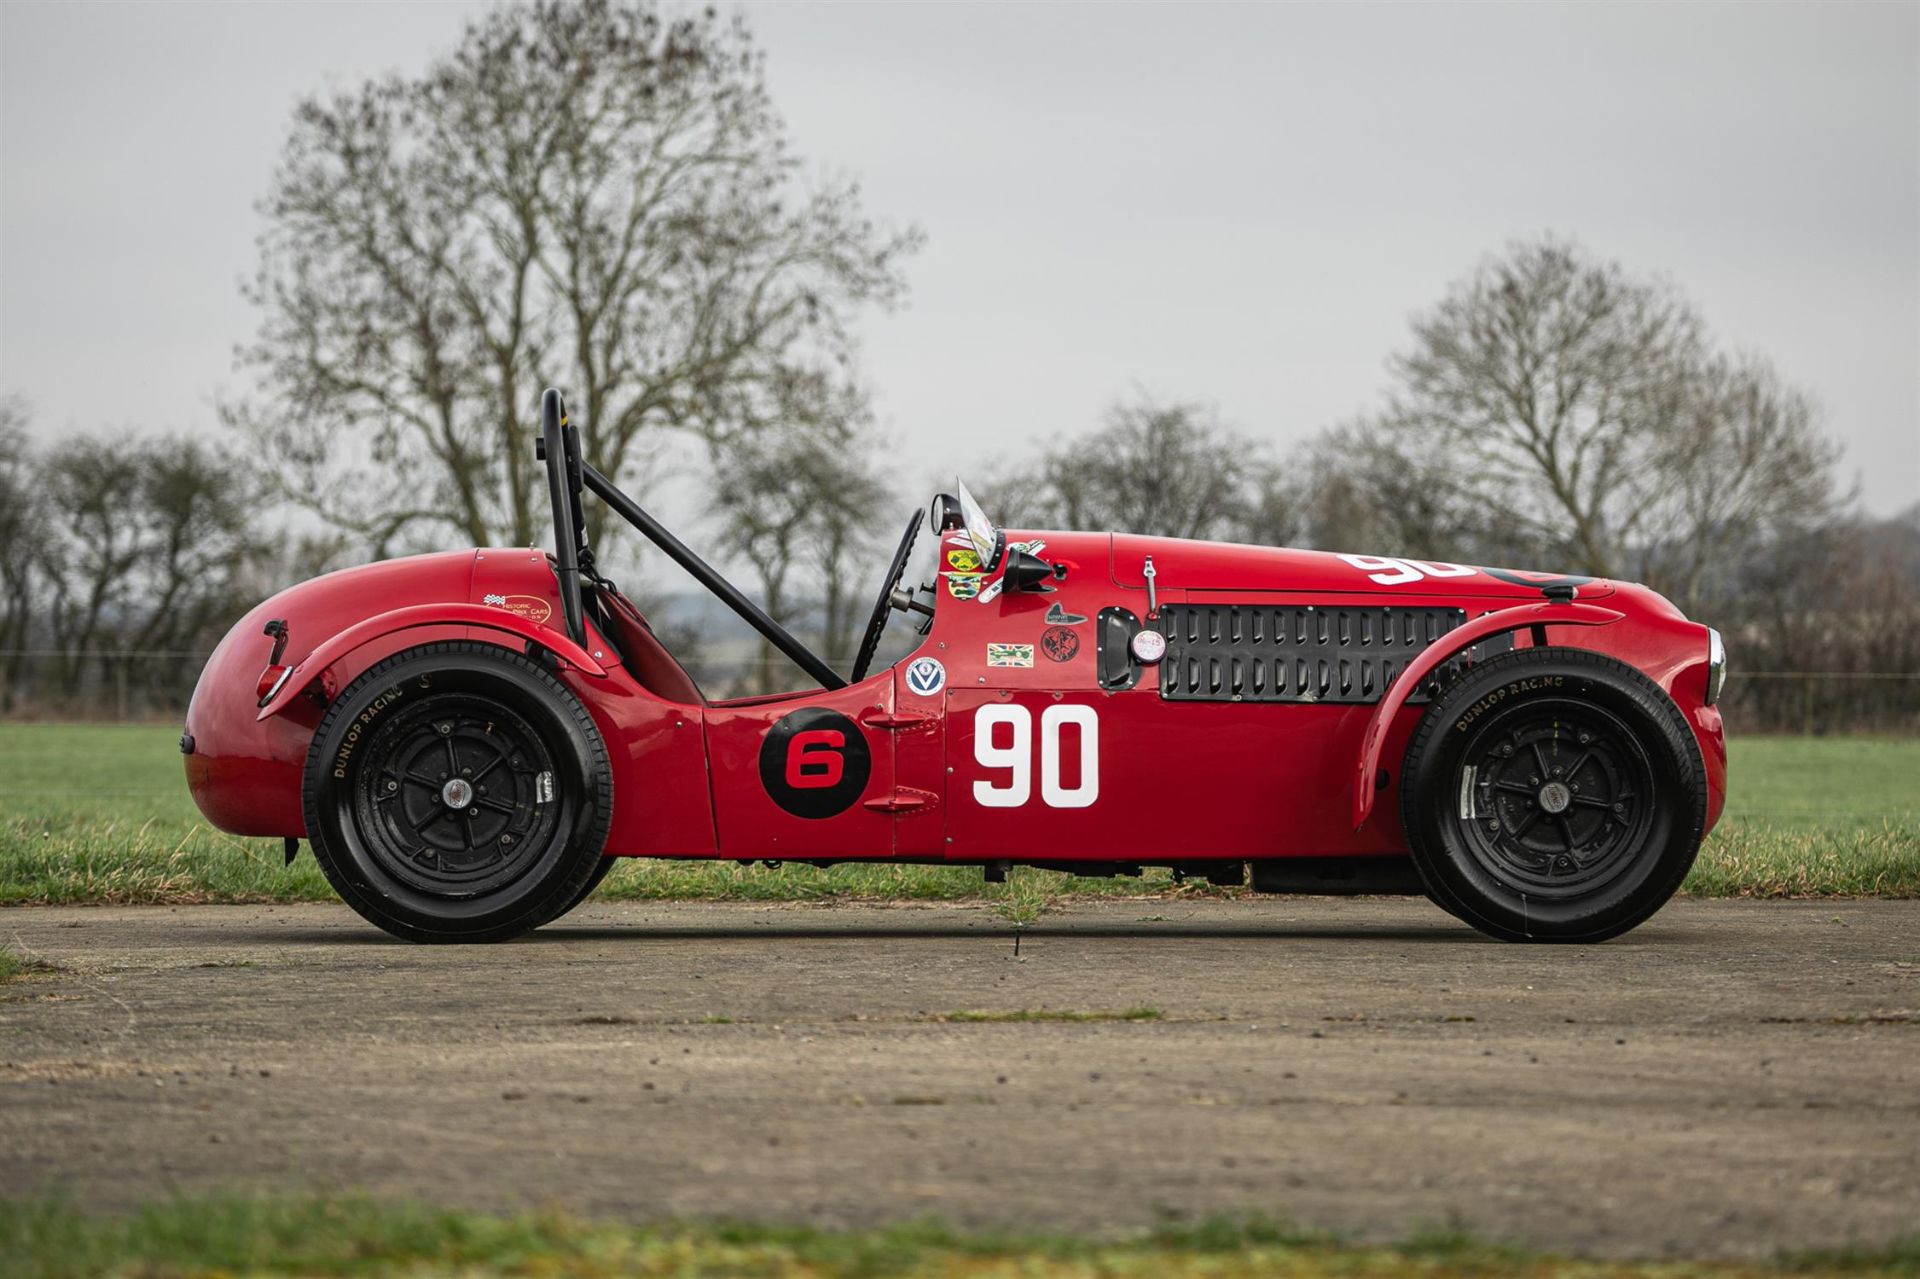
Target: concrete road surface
1730,1079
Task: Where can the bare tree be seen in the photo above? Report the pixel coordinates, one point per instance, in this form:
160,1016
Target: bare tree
92,548
854,497
22,531
1362,488
590,194
1548,380
1745,467
1171,470
1553,405
1843,596
798,503
144,544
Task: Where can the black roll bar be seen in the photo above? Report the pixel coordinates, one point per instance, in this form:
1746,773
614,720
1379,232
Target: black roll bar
559,445
703,572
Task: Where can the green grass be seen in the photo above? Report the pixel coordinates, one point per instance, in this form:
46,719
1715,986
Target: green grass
100,813
359,1236
1816,817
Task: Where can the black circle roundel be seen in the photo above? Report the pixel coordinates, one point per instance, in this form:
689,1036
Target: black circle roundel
814,762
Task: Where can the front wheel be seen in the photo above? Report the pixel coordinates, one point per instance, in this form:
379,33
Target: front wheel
458,792
1553,795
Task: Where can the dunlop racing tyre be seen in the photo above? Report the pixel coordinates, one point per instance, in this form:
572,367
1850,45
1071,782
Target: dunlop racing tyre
1553,795
458,792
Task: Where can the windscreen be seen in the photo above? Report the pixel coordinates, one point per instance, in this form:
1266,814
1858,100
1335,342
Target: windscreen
980,530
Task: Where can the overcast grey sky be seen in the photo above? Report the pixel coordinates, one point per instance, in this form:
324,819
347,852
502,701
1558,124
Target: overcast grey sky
1238,203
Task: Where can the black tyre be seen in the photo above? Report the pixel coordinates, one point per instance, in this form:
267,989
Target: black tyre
1553,795
586,890
457,792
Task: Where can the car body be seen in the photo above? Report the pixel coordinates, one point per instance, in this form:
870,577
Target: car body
1030,725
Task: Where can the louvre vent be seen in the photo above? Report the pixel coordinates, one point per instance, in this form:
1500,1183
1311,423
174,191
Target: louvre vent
1269,653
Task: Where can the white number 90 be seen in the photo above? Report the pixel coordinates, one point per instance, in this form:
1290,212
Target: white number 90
1389,570
1017,755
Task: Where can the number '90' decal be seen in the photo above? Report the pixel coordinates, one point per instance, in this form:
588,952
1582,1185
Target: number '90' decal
1391,570
1003,739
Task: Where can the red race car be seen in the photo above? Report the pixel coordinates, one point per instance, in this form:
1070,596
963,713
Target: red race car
468,739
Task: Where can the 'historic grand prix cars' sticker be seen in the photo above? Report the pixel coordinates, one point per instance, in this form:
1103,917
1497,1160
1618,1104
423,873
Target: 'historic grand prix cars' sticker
926,676
1059,643
1009,655
531,607
814,762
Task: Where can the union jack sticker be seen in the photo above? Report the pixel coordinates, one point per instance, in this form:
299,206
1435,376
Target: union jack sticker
1009,655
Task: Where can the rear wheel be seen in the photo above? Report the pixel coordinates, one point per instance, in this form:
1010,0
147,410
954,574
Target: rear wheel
1553,795
458,792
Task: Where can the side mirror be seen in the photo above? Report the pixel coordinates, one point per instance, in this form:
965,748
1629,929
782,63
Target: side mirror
946,514
1028,572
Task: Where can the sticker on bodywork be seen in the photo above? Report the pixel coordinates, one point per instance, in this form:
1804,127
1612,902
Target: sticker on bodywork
1060,643
964,560
926,676
1058,616
531,607
815,763
1009,655
963,586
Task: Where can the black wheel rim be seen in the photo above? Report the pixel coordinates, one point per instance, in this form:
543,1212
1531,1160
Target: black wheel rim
455,796
1555,800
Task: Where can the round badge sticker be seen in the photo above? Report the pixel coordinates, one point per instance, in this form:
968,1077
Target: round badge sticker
1149,647
814,762
926,676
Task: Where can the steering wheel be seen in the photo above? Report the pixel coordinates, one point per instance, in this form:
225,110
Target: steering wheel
870,642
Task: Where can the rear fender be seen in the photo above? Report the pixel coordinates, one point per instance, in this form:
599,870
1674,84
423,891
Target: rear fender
414,617
1436,654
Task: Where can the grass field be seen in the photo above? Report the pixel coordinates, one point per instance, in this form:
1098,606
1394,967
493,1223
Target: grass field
100,813
358,1236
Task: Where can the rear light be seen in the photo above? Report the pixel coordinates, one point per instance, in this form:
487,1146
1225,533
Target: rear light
270,681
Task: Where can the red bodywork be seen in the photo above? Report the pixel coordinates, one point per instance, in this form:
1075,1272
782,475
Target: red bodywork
1029,762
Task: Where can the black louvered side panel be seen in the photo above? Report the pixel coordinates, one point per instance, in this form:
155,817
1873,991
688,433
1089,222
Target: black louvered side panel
1269,653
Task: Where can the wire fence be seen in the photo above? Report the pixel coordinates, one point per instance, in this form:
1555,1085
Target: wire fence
155,684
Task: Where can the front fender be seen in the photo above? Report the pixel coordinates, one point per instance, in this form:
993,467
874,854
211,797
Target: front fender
1431,658
413,617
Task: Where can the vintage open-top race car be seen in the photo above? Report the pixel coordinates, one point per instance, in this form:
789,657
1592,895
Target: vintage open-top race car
467,739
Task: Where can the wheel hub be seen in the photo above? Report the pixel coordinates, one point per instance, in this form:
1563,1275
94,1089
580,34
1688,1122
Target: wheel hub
1553,800
455,795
